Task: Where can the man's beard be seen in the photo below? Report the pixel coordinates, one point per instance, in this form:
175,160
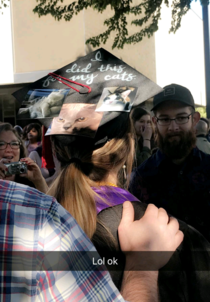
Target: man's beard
177,149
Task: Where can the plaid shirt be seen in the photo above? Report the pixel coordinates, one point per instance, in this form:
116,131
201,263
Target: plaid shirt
32,221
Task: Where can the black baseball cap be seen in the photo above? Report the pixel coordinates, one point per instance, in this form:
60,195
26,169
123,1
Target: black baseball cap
174,92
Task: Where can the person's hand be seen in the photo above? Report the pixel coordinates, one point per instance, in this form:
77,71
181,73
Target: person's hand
154,232
4,168
34,174
146,132
33,171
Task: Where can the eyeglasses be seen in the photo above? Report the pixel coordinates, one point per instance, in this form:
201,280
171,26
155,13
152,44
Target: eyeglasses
178,120
13,145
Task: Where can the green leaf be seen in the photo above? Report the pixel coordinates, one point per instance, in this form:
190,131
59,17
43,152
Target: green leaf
148,13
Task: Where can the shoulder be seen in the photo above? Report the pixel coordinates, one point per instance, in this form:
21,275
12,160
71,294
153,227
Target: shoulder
199,138
110,219
108,196
148,165
202,141
108,214
24,199
14,193
41,213
204,157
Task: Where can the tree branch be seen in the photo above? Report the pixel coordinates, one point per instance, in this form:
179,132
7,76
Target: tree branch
117,24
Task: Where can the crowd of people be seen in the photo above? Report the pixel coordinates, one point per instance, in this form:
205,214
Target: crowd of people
80,202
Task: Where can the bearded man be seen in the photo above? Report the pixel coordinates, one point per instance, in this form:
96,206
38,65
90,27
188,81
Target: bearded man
177,176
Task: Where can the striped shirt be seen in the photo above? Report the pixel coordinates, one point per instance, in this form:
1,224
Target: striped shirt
31,221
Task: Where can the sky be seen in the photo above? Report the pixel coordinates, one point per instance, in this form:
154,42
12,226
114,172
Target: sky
180,56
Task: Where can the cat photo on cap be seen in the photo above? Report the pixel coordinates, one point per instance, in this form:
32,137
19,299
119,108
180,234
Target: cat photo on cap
117,99
76,119
42,103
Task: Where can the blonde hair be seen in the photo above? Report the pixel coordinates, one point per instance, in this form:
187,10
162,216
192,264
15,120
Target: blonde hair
73,187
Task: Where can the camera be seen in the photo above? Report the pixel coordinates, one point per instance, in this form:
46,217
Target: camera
16,168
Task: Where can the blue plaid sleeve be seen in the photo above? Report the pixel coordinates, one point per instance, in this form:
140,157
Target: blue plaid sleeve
32,222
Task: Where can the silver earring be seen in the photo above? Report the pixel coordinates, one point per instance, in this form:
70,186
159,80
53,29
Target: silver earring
124,172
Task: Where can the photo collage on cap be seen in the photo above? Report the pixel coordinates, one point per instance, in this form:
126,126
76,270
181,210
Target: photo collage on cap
76,119
117,99
81,96
42,103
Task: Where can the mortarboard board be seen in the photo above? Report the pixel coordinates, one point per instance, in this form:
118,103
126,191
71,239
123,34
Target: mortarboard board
94,79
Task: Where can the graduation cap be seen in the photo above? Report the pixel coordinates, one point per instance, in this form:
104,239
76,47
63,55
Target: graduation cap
99,84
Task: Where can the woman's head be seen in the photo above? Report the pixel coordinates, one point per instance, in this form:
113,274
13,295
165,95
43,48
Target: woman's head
141,118
14,149
34,132
73,187
110,157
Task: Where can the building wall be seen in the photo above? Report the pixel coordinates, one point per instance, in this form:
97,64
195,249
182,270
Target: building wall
6,55
43,44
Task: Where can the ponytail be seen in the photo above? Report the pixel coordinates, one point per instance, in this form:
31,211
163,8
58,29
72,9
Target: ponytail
73,191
